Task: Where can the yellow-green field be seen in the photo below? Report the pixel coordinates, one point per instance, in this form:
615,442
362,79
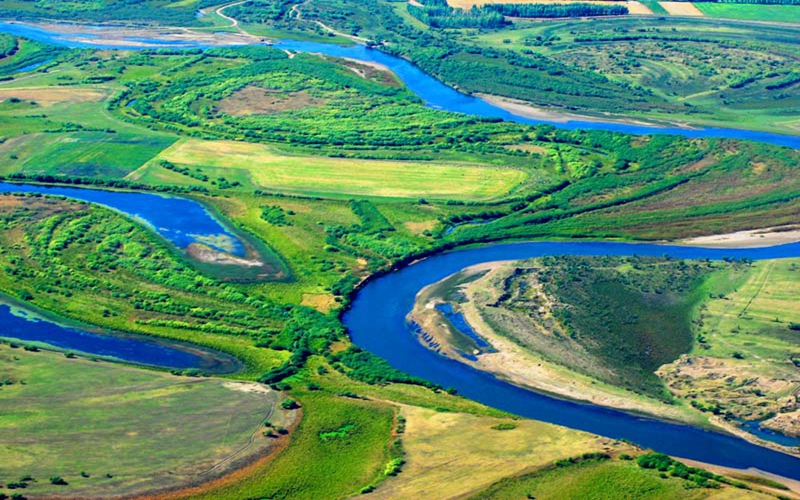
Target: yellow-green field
764,300
126,429
451,455
263,167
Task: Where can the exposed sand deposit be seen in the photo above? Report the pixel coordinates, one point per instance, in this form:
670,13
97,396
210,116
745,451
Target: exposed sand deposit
524,109
754,238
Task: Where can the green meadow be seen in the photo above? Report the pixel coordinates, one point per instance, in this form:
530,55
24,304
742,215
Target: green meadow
102,427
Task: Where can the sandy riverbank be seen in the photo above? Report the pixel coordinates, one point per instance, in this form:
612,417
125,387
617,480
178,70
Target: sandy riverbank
142,37
793,485
526,110
208,255
755,238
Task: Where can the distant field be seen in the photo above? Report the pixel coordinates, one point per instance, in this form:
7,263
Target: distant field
681,8
633,7
126,428
779,13
48,96
747,354
262,167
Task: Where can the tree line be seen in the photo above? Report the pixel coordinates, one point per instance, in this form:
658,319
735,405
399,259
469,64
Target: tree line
557,10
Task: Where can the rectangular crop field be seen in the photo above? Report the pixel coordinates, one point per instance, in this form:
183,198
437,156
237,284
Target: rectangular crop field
633,6
778,13
265,168
681,8
95,154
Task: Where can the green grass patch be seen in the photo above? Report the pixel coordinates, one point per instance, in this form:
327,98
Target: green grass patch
354,453
774,13
602,479
80,154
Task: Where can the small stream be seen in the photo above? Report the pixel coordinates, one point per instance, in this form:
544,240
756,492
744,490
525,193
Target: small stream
21,325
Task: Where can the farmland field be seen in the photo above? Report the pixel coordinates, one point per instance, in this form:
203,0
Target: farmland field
634,7
265,168
96,154
681,8
777,13
106,429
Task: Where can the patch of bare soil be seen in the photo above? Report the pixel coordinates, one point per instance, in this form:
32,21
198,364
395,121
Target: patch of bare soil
730,385
206,254
785,423
368,70
254,100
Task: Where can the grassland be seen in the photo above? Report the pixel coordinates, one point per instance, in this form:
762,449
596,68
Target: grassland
743,365
261,167
110,430
157,12
435,442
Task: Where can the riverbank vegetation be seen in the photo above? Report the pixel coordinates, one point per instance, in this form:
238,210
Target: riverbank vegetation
158,12
290,150
698,71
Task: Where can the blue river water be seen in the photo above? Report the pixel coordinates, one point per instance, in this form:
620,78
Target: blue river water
433,92
180,220
377,323
18,325
460,323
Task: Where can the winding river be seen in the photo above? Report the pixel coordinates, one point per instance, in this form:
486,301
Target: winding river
377,322
436,94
